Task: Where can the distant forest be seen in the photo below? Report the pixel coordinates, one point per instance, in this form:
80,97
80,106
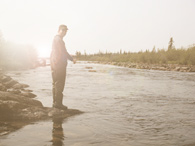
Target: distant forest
16,56
171,55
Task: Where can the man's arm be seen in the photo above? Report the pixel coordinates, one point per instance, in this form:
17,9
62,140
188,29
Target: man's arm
69,56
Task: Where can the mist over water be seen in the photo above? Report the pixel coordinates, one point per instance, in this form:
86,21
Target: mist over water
122,106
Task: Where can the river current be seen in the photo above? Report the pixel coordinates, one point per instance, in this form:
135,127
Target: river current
122,107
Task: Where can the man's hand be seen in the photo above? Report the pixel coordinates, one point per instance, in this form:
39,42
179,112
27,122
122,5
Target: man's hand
74,61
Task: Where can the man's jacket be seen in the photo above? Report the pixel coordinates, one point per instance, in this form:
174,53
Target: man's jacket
59,54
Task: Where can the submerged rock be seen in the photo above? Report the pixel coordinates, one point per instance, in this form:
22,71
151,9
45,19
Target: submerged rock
92,70
88,67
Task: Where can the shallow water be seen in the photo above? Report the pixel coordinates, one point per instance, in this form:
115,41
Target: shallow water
123,107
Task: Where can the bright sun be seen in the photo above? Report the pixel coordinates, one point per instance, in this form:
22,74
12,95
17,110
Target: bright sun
43,52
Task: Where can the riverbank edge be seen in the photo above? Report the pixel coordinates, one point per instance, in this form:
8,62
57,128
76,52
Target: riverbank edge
19,108
162,67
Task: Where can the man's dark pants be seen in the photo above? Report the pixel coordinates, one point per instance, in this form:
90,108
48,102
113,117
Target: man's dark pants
59,76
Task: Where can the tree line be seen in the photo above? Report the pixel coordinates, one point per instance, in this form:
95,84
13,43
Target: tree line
16,56
171,55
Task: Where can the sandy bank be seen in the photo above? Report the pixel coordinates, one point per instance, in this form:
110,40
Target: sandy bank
18,108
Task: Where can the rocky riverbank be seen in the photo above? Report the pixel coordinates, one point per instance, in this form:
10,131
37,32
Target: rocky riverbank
18,108
163,67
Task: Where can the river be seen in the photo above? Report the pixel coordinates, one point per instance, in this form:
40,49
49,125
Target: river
122,107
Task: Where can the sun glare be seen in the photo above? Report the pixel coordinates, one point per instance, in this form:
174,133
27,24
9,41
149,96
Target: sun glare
43,52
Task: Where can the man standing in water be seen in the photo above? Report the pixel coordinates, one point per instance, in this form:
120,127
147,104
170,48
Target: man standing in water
58,60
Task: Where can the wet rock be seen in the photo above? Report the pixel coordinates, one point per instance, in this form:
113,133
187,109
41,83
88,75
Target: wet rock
88,67
26,90
14,91
4,132
10,83
162,68
6,96
132,66
10,109
15,107
20,86
177,69
16,104
32,113
138,67
54,112
28,94
11,105
17,73
153,68
192,69
92,71
5,79
2,87
184,68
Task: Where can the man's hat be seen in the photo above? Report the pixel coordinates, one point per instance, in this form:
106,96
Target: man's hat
63,26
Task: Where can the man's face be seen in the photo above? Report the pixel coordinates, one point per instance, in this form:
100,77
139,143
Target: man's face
63,31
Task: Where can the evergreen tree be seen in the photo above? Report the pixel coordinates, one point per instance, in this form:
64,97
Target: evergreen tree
170,47
154,49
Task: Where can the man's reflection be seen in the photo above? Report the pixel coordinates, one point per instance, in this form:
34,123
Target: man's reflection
57,132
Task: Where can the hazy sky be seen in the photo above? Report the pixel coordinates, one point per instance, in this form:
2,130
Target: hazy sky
130,25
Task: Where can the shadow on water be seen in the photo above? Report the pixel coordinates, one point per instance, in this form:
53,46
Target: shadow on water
57,132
